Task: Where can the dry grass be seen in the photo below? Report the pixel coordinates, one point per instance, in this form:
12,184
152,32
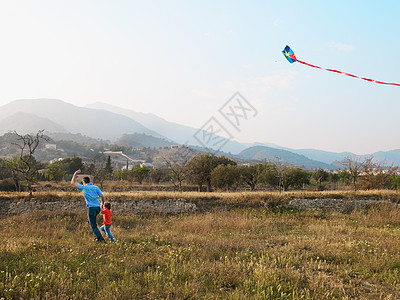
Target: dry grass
239,254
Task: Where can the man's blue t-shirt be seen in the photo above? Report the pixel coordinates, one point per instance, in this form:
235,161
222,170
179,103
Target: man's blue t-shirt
91,193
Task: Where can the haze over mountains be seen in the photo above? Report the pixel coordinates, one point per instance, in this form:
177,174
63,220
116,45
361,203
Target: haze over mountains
181,134
95,123
107,122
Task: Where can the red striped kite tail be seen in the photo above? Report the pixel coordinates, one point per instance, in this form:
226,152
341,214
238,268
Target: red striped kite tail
348,74
307,64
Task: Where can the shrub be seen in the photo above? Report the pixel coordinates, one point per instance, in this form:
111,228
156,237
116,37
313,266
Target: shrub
7,185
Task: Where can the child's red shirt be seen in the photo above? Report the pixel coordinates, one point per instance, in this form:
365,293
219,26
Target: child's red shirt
107,214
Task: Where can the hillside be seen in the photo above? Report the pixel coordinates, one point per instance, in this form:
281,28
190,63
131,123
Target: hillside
25,123
322,156
388,157
272,154
142,140
383,157
95,123
176,132
75,137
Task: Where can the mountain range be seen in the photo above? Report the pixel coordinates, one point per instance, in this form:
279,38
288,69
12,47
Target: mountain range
48,113
275,155
115,124
181,134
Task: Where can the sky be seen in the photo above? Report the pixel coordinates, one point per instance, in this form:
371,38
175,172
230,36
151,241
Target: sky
183,60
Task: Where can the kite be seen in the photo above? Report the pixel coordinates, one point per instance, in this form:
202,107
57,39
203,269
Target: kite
289,54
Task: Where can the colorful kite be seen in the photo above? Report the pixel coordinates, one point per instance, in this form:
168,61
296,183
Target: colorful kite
289,54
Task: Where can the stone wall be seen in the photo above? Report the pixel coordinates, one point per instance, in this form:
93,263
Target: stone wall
165,206
170,206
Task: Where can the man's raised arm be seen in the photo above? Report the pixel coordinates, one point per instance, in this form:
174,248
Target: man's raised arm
74,177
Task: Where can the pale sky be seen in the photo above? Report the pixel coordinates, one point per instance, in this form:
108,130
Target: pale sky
182,60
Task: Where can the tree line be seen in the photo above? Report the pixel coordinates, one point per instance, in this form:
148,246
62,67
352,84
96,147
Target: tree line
206,171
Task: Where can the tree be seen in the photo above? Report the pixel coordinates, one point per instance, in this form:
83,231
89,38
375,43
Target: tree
178,175
279,171
70,165
24,163
55,172
175,162
344,177
4,171
108,169
334,177
369,170
140,173
270,176
353,168
320,175
376,175
224,176
199,168
96,168
395,180
285,176
295,177
9,165
157,175
120,175
251,175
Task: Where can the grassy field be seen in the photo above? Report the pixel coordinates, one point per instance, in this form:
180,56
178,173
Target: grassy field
244,253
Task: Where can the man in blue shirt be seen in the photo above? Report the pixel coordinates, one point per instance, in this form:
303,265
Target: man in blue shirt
92,193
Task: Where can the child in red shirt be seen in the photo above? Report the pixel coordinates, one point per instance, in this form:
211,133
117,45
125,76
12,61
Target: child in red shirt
107,214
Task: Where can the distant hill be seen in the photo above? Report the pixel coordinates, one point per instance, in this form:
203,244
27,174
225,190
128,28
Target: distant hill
142,140
334,158
323,156
75,137
25,123
176,132
273,154
95,123
384,157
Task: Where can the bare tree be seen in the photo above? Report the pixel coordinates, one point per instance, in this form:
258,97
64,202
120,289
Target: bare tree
353,167
176,160
370,169
24,162
377,175
280,169
178,173
96,168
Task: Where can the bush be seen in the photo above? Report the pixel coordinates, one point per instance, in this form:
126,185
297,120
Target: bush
7,185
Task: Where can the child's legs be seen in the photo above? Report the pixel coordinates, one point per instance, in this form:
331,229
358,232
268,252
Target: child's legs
108,232
103,228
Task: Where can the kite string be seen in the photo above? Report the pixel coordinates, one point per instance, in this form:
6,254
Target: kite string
351,75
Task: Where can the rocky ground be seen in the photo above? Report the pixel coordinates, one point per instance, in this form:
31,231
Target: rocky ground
343,205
